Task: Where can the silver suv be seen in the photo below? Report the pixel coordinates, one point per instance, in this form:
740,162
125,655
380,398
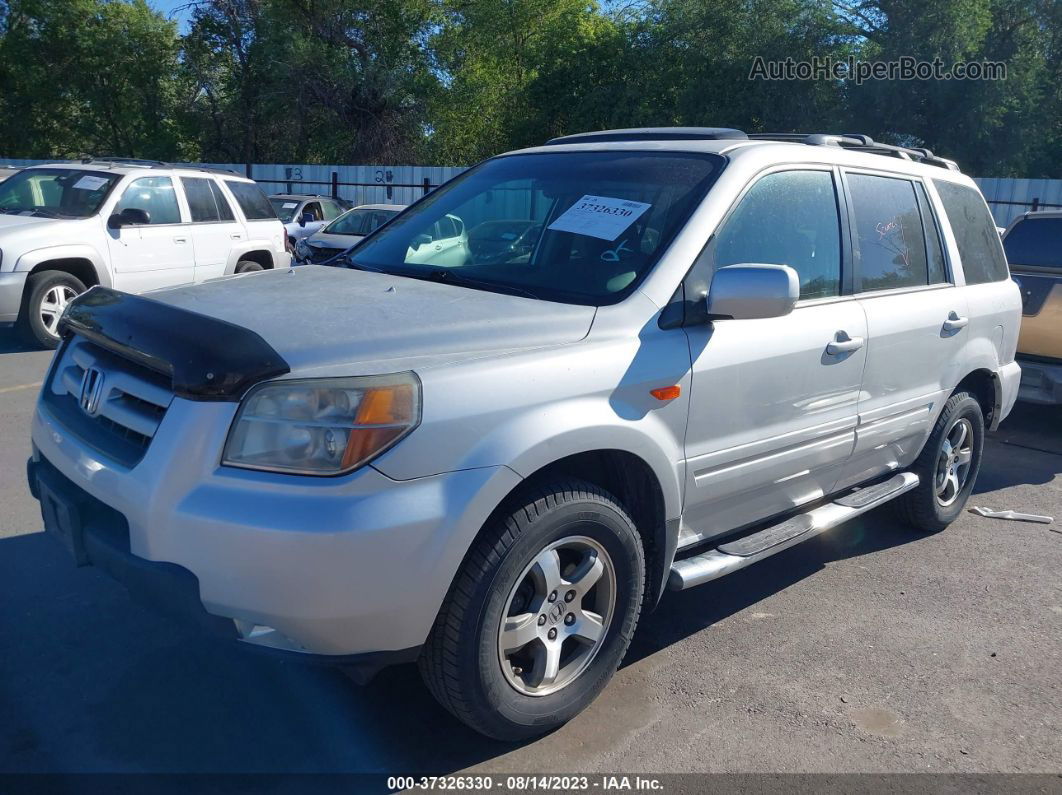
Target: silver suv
662,356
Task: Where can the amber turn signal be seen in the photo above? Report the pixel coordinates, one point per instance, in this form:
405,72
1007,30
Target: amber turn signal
666,392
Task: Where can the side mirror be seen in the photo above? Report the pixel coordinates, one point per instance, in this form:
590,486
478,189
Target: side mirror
130,216
306,218
749,292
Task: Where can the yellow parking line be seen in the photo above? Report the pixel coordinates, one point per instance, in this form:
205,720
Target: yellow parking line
20,386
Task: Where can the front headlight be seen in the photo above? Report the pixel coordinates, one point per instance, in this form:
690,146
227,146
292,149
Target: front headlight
325,426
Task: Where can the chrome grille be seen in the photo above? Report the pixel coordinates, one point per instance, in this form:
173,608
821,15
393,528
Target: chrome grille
120,419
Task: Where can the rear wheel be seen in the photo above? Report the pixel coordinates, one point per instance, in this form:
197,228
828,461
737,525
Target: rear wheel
540,614
248,266
45,298
947,467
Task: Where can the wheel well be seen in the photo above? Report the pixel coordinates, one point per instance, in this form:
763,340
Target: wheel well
263,258
79,268
981,384
630,480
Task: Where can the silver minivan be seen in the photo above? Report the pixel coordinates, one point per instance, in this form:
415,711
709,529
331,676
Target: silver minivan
657,357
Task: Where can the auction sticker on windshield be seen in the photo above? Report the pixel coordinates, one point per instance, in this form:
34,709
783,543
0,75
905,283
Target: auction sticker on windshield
90,183
599,216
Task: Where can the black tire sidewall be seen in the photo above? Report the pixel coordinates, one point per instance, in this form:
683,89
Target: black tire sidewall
518,714
33,329
248,266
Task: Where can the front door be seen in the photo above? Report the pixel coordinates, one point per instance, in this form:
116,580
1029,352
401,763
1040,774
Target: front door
773,401
158,253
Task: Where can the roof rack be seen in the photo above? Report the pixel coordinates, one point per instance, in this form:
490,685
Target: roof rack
862,143
136,161
653,134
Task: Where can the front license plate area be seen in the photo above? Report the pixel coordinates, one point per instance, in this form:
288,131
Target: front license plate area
62,519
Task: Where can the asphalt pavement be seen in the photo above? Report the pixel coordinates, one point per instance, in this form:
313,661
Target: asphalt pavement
868,649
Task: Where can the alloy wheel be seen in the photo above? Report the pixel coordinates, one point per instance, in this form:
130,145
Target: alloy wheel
953,463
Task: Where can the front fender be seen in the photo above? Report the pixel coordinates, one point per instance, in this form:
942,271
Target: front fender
31,259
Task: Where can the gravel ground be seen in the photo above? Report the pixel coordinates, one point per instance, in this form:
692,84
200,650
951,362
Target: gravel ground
866,650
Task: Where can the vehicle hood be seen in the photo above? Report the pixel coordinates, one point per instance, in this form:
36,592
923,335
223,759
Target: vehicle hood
333,241
10,222
322,320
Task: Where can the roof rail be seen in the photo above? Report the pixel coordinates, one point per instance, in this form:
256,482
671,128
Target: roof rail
862,143
136,161
652,134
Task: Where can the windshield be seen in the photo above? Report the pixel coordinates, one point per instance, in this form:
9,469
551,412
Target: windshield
285,208
360,221
575,227
56,192
1035,242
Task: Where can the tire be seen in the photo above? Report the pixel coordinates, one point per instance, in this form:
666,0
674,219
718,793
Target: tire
464,663
936,502
46,295
248,266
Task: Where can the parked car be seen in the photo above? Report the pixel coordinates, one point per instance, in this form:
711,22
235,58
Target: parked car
715,348
303,215
344,232
7,171
121,224
1033,243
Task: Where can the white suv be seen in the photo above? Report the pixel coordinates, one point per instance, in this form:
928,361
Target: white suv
134,226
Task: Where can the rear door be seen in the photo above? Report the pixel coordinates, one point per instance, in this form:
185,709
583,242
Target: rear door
156,254
214,228
917,319
773,403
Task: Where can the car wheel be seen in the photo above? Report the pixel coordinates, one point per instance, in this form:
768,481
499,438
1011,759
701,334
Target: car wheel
540,613
947,466
248,266
46,295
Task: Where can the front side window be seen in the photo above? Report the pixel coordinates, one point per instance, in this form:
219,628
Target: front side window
252,201
889,239
980,250
577,227
56,192
1035,243
153,195
787,218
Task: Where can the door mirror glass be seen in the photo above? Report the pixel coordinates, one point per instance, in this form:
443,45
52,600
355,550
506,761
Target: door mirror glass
306,218
130,216
752,291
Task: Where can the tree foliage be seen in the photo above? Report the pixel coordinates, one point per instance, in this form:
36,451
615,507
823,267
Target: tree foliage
453,81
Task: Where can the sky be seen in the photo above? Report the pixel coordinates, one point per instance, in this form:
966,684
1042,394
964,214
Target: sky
181,10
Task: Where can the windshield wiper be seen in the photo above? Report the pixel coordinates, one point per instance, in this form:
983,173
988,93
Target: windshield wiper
447,276
347,261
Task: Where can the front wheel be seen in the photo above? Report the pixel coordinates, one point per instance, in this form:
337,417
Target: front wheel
947,466
540,614
43,303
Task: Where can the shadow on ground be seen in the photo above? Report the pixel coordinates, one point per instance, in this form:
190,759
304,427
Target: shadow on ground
11,342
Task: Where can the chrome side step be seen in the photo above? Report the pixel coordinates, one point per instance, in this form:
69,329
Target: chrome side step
734,555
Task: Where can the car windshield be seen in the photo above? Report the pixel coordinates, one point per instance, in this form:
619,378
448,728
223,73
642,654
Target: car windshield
285,208
574,227
1035,243
56,192
360,221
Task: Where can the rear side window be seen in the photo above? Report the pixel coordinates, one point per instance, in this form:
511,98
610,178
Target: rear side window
200,200
889,237
975,233
252,201
787,218
224,208
934,251
1035,243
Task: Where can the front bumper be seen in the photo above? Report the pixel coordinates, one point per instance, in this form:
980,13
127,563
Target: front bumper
343,566
1041,381
11,287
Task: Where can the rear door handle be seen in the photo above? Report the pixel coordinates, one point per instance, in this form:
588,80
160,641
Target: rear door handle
842,343
180,240
954,322
236,236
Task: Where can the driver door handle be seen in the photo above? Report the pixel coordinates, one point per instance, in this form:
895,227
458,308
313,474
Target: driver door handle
954,322
842,343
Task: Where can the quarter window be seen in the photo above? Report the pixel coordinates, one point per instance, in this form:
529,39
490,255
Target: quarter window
975,233
890,243
252,201
787,218
153,195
